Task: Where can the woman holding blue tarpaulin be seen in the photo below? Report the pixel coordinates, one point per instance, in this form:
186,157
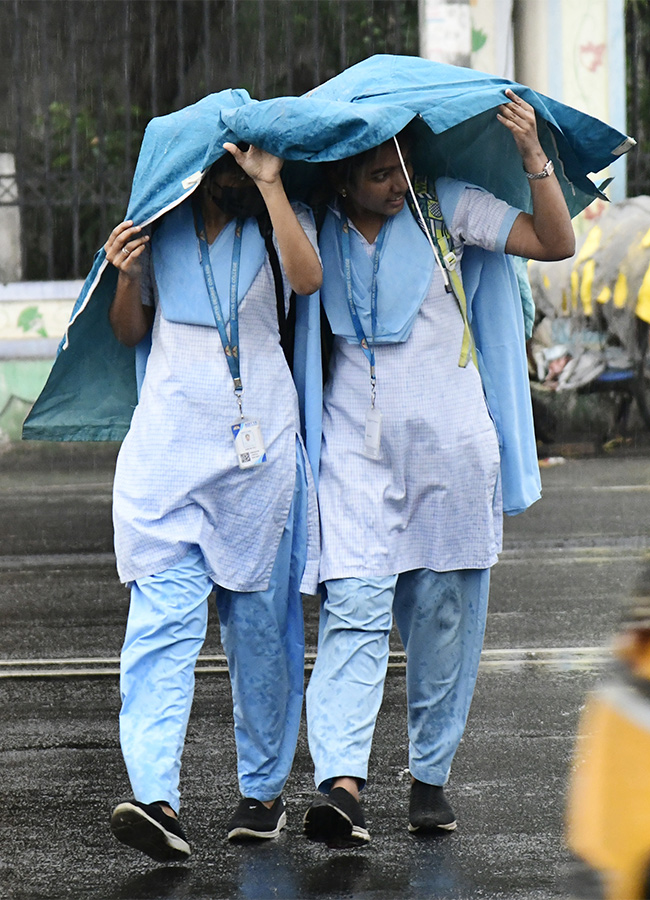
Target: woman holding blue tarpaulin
410,486
212,491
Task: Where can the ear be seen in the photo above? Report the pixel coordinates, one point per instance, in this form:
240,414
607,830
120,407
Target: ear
336,182
336,175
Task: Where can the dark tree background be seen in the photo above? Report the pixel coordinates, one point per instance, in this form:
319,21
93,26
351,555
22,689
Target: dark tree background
81,78
637,20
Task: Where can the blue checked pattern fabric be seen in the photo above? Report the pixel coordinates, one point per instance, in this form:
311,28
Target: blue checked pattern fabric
177,483
433,499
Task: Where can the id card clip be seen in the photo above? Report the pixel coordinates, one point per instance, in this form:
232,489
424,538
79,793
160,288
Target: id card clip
249,443
372,440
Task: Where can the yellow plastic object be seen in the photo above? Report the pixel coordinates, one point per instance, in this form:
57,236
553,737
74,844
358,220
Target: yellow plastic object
586,285
591,245
605,295
608,816
645,241
620,291
643,300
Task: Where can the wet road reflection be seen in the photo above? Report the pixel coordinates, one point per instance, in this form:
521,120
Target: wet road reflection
555,603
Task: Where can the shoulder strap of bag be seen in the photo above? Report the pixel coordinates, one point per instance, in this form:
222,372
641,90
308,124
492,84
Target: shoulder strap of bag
425,192
327,337
286,321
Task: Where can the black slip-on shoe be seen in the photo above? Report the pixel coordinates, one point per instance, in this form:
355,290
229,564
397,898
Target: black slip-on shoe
429,809
253,820
336,818
145,827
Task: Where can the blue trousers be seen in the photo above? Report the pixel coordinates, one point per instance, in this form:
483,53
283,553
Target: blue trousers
441,619
263,637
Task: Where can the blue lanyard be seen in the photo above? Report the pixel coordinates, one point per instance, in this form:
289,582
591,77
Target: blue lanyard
230,345
368,349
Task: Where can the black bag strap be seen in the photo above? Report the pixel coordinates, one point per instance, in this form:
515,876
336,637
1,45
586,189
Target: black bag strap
326,335
286,321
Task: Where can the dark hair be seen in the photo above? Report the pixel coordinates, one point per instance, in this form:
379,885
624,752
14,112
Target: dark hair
225,163
347,170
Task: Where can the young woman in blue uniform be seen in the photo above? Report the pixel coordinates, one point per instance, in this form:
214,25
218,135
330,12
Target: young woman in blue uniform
212,491
410,483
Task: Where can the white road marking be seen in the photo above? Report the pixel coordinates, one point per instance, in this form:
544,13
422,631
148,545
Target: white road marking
598,488
565,658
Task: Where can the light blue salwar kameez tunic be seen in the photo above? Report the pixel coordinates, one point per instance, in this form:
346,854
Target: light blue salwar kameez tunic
411,534
189,522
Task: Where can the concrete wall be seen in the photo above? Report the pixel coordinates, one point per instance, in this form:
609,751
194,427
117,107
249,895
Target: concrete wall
574,51
473,33
571,50
33,319
446,31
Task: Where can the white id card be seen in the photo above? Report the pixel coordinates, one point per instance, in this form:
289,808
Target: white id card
372,442
249,444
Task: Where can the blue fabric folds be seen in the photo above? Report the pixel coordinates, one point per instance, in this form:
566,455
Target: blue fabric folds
396,277
458,134
185,298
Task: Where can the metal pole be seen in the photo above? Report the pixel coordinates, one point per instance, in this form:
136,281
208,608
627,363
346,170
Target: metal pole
153,54
74,143
234,45
127,88
262,49
288,19
316,41
47,140
101,128
18,82
397,26
180,58
206,46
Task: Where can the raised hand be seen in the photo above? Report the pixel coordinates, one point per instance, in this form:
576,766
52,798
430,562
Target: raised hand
519,118
124,247
547,233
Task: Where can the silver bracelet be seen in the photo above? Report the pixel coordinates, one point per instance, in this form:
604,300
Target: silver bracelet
548,170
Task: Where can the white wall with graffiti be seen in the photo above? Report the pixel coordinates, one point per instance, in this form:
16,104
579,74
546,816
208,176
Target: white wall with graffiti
33,319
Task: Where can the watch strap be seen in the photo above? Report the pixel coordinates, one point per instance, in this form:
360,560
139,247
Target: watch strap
546,172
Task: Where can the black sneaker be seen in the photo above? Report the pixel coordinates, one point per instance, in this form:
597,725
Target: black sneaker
429,810
254,820
336,818
146,827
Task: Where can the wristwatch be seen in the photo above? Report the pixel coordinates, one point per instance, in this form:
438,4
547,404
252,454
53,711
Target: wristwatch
548,169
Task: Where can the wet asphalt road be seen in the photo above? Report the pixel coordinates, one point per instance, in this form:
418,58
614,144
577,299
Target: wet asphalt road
568,566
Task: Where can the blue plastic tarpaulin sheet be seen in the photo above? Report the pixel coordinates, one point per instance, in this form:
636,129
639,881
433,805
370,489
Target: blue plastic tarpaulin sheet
458,135
91,391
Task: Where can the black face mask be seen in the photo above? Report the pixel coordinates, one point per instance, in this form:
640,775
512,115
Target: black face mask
239,202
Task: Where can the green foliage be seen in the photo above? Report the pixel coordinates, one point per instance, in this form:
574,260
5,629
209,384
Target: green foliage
77,140
84,135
